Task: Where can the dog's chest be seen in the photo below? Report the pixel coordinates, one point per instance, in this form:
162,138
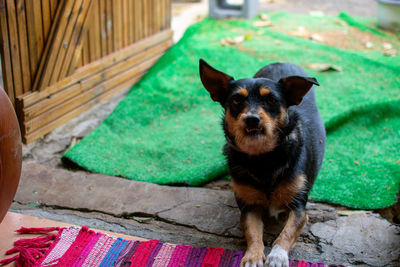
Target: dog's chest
274,202
265,183
262,172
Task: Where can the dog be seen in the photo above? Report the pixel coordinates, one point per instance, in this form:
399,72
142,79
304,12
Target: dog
275,143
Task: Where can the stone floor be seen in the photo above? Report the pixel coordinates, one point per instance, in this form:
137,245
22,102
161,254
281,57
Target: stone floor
195,216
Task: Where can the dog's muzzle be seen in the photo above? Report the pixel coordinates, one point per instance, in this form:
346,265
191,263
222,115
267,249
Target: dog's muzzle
252,124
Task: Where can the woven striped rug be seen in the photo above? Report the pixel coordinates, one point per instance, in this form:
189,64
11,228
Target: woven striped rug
73,246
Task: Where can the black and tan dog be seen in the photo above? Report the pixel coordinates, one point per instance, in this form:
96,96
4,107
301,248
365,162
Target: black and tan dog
275,146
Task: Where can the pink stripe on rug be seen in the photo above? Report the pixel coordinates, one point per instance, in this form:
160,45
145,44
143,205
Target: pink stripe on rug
153,254
302,264
179,256
212,257
142,254
67,237
81,259
109,243
81,241
164,255
93,257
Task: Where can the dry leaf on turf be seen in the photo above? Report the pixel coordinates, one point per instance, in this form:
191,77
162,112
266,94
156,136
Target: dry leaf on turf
317,13
317,38
324,67
264,17
301,32
234,41
261,23
387,46
390,52
248,37
369,44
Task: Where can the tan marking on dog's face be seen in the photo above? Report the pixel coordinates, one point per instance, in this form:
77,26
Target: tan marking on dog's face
249,194
235,126
281,119
264,91
243,92
285,193
253,228
252,145
292,230
258,144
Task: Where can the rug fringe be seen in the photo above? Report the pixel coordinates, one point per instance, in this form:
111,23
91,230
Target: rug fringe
9,260
31,250
33,230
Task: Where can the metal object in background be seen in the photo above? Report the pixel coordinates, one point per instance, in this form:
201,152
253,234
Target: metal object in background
220,9
389,14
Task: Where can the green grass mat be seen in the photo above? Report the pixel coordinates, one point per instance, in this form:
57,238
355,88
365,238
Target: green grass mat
167,130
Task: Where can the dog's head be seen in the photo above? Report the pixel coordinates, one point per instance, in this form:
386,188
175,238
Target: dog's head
256,108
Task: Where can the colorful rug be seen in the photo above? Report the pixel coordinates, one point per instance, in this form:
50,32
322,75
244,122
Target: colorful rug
83,247
168,131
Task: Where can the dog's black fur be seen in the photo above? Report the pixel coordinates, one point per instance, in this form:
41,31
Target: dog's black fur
275,145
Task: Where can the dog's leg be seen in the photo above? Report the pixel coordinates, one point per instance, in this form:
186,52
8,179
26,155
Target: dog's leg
278,257
253,230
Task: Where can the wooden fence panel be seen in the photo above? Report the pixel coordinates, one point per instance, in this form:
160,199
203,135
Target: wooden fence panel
60,58
6,53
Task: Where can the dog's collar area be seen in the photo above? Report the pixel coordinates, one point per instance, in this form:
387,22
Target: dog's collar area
232,145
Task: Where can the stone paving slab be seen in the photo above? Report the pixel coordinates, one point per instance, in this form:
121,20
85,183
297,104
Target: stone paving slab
362,237
121,197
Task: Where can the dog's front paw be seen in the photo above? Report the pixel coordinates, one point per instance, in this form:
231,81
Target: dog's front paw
253,258
278,257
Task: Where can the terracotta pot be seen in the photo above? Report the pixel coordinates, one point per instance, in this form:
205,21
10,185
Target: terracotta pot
10,153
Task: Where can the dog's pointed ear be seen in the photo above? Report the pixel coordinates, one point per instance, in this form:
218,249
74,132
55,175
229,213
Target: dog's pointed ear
296,87
215,81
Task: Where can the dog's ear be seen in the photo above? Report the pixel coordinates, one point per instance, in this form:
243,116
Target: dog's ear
215,81
296,87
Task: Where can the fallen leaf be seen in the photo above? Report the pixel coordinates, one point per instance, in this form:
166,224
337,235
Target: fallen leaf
317,13
390,52
238,39
224,42
264,17
324,67
351,212
301,32
387,46
230,41
340,22
74,141
142,219
261,23
317,38
369,44
248,37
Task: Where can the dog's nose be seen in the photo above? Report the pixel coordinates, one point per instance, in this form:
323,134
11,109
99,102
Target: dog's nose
252,121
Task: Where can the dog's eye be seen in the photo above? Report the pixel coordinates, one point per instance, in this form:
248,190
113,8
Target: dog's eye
271,100
237,99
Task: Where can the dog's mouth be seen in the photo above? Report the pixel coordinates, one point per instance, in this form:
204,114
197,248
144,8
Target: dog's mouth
254,131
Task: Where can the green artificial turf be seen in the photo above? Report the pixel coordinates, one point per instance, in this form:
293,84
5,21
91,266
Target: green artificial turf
167,130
